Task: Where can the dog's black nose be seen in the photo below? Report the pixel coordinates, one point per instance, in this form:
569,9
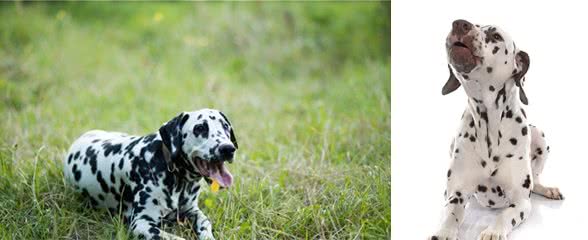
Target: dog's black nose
226,151
461,27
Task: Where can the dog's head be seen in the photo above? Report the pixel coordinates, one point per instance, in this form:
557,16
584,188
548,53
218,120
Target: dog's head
485,54
205,139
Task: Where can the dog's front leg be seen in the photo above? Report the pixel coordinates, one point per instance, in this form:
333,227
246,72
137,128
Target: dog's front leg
456,200
146,219
201,224
510,218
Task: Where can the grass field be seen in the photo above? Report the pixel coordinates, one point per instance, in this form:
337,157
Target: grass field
306,86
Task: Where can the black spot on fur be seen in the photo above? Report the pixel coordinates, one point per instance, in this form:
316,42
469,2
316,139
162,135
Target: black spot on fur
494,172
495,50
501,93
472,138
509,155
512,205
513,222
499,190
143,196
483,163
524,131
527,182
201,130
112,179
522,214
496,158
449,173
92,157
513,141
490,202
484,116
482,188
519,120
77,174
109,148
102,182
491,88
489,69
155,231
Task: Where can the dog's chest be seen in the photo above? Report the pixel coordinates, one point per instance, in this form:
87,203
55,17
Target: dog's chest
181,198
494,136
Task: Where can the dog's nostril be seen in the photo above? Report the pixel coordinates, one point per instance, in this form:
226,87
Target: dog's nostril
462,26
226,149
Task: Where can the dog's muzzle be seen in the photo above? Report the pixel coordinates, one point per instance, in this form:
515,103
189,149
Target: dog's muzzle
215,168
460,47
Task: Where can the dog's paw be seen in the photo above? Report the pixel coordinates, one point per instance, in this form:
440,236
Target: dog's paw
548,192
206,235
491,234
553,193
169,236
444,235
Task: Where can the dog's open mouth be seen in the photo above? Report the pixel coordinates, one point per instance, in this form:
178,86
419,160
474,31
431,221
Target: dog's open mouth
462,58
215,170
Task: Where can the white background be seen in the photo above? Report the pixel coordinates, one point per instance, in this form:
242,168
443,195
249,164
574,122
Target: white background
424,121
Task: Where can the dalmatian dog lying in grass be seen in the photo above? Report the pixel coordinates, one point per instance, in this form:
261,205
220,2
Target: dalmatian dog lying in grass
497,156
156,177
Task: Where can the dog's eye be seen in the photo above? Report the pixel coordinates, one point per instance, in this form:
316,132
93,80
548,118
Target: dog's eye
199,128
497,37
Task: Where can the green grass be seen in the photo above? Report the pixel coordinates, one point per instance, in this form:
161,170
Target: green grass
307,87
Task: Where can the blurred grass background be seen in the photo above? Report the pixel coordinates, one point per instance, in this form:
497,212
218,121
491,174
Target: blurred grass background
306,85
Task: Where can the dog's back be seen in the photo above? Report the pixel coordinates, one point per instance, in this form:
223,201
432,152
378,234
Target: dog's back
95,166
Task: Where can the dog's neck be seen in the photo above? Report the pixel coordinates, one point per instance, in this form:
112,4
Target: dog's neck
490,103
491,97
178,166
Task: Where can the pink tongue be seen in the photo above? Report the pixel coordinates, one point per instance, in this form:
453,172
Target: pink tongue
223,177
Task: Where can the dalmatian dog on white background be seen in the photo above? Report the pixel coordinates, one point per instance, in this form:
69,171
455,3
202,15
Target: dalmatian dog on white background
497,156
155,178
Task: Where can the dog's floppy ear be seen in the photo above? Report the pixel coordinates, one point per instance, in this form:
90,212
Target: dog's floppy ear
233,138
171,134
522,61
451,84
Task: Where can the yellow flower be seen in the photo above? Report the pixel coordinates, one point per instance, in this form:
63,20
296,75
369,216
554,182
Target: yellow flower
60,15
157,17
214,187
